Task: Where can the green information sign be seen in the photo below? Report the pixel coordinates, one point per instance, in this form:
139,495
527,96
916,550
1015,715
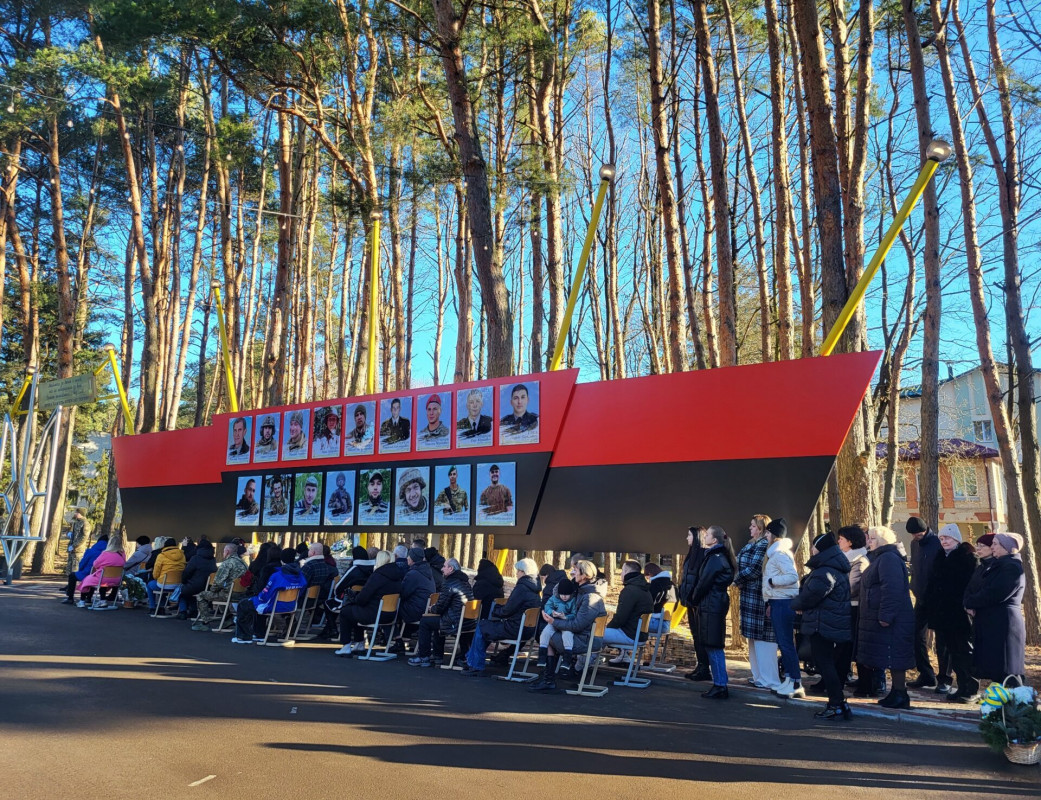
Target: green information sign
72,391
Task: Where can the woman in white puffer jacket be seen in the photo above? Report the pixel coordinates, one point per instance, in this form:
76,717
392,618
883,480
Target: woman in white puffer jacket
780,585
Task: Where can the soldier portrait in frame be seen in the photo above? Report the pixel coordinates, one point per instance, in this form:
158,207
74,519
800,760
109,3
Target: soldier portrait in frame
496,484
307,510
473,428
239,429
373,497
434,435
359,431
294,444
325,442
519,404
339,506
452,494
278,496
265,446
413,496
396,425
247,509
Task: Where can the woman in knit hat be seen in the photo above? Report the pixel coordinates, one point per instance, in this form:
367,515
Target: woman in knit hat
950,575
886,638
994,598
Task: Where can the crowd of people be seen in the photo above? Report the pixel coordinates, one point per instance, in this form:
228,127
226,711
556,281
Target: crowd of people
856,611
859,604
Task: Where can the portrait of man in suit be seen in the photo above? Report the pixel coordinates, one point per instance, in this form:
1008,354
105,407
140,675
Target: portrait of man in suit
396,428
474,429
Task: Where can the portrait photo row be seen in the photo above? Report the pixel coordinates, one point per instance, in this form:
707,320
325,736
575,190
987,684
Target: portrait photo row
423,495
422,422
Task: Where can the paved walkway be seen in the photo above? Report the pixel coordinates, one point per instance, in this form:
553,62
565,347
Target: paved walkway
119,705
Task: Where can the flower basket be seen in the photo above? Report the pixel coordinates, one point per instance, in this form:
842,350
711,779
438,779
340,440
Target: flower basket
133,590
1014,727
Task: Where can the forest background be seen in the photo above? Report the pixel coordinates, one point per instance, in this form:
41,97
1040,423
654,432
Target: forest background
149,148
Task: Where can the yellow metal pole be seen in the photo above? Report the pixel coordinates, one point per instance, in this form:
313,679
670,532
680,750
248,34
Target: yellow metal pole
128,419
937,151
374,281
363,540
500,559
233,399
16,410
606,176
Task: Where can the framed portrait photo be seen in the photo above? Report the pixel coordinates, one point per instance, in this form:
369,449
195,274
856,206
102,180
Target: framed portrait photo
474,417
452,494
247,509
373,497
412,500
265,443
295,434
278,497
435,410
519,406
307,510
496,486
239,436
325,438
359,429
396,425
339,505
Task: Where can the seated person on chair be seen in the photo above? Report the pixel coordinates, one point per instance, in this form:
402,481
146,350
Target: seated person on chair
505,620
317,570
196,572
488,586
85,567
171,559
589,608
662,591
230,570
139,558
249,616
561,605
112,557
360,570
633,602
401,559
416,589
443,618
361,609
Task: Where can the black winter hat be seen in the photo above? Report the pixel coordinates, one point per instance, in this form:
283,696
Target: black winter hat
416,554
916,525
288,556
359,554
566,586
778,527
824,542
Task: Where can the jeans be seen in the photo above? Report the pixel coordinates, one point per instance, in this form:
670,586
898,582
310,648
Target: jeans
153,591
656,623
717,662
616,636
783,619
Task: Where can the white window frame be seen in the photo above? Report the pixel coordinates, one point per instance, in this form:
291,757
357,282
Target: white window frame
959,481
987,424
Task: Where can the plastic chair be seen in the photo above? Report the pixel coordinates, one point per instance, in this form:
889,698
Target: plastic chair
284,596
528,623
431,602
589,688
171,581
206,588
632,679
388,606
471,611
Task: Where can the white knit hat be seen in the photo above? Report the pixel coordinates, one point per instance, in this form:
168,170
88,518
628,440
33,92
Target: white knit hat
951,530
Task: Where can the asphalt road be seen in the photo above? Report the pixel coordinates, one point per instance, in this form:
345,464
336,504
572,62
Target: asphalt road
117,705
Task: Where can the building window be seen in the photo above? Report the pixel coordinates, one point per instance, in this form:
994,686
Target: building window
983,430
900,486
963,479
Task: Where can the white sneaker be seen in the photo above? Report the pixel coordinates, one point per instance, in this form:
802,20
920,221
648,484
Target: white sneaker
80,604
100,606
359,647
785,688
619,659
237,640
798,692
346,650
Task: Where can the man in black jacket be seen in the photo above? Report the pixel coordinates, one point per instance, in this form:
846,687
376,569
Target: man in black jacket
443,618
505,620
633,602
925,546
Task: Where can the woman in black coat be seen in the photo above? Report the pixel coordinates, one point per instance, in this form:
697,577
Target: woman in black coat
688,581
712,601
945,588
193,580
488,586
363,607
824,602
995,600
886,634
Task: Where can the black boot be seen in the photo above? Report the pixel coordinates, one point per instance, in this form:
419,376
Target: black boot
830,712
717,693
898,698
699,673
543,652
548,681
